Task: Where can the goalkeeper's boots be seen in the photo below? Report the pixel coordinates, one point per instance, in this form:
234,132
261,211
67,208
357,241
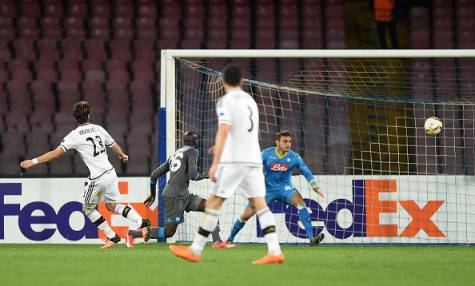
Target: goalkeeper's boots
223,244
270,259
111,242
317,239
184,252
129,241
145,228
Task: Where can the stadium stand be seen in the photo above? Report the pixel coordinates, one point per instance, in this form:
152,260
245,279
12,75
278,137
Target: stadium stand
54,53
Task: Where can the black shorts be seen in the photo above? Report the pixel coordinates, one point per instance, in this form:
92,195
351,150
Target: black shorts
176,206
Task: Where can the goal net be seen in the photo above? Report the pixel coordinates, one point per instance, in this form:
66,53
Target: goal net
357,120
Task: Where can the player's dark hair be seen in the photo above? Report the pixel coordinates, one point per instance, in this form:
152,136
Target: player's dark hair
81,112
232,75
282,133
190,138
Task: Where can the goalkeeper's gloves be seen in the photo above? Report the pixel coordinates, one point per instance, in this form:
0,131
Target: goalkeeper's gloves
316,188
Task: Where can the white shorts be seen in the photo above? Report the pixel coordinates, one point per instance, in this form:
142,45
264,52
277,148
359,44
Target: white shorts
249,179
105,187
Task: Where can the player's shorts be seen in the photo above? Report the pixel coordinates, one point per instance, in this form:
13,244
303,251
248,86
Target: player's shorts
230,178
282,196
175,207
104,187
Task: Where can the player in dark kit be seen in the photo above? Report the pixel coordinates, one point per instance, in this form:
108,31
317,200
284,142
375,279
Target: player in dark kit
177,199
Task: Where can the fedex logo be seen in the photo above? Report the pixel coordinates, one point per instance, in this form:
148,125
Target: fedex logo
60,219
365,208
26,219
279,167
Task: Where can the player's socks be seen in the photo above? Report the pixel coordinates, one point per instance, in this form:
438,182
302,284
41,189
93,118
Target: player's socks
154,233
307,223
128,213
100,222
215,234
238,225
267,222
135,233
208,224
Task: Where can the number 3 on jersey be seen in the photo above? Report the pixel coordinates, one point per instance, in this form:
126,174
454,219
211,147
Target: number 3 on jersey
175,161
250,119
97,149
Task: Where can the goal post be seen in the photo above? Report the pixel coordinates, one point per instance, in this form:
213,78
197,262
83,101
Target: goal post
356,118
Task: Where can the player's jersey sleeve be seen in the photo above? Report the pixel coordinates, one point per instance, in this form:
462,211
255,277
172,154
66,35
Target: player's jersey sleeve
304,169
223,111
68,142
264,156
192,154
157,173
109,141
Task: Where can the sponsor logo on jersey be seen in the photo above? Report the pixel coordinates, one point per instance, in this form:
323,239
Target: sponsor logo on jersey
277,167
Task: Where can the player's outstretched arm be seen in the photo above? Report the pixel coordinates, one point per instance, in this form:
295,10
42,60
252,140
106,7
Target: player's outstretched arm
118,151
305,170
193,173
157,173
49,156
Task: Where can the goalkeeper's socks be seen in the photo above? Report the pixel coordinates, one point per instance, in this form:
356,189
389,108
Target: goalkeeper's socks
128,213
307,223
101,223
267,222
208,224
238,225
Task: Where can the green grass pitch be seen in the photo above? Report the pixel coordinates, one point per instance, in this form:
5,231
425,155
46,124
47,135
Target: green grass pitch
153,264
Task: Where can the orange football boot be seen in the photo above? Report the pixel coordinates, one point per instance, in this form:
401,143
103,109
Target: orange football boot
223,244
270,259
184,252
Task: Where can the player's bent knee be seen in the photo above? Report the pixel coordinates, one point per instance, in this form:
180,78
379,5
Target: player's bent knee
110,206
297,201
202,206
214,202
170,233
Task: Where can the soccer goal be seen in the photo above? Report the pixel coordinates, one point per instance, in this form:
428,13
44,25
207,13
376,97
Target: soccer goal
357,120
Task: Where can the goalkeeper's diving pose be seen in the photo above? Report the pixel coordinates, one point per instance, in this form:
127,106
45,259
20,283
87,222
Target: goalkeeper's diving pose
278,164
177,199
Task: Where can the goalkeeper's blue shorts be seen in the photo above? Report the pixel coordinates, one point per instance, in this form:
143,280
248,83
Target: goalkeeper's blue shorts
282,196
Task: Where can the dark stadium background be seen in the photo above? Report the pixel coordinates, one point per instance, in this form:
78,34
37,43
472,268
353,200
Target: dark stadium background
54,53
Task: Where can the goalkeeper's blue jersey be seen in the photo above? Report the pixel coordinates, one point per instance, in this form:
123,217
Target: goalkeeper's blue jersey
278,169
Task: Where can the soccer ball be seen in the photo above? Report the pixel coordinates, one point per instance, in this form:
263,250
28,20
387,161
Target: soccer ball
433,125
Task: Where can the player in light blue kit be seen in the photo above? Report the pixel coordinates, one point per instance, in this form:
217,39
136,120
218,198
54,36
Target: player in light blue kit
278,163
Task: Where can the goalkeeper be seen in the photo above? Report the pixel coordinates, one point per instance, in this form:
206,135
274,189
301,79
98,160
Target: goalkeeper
278,164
